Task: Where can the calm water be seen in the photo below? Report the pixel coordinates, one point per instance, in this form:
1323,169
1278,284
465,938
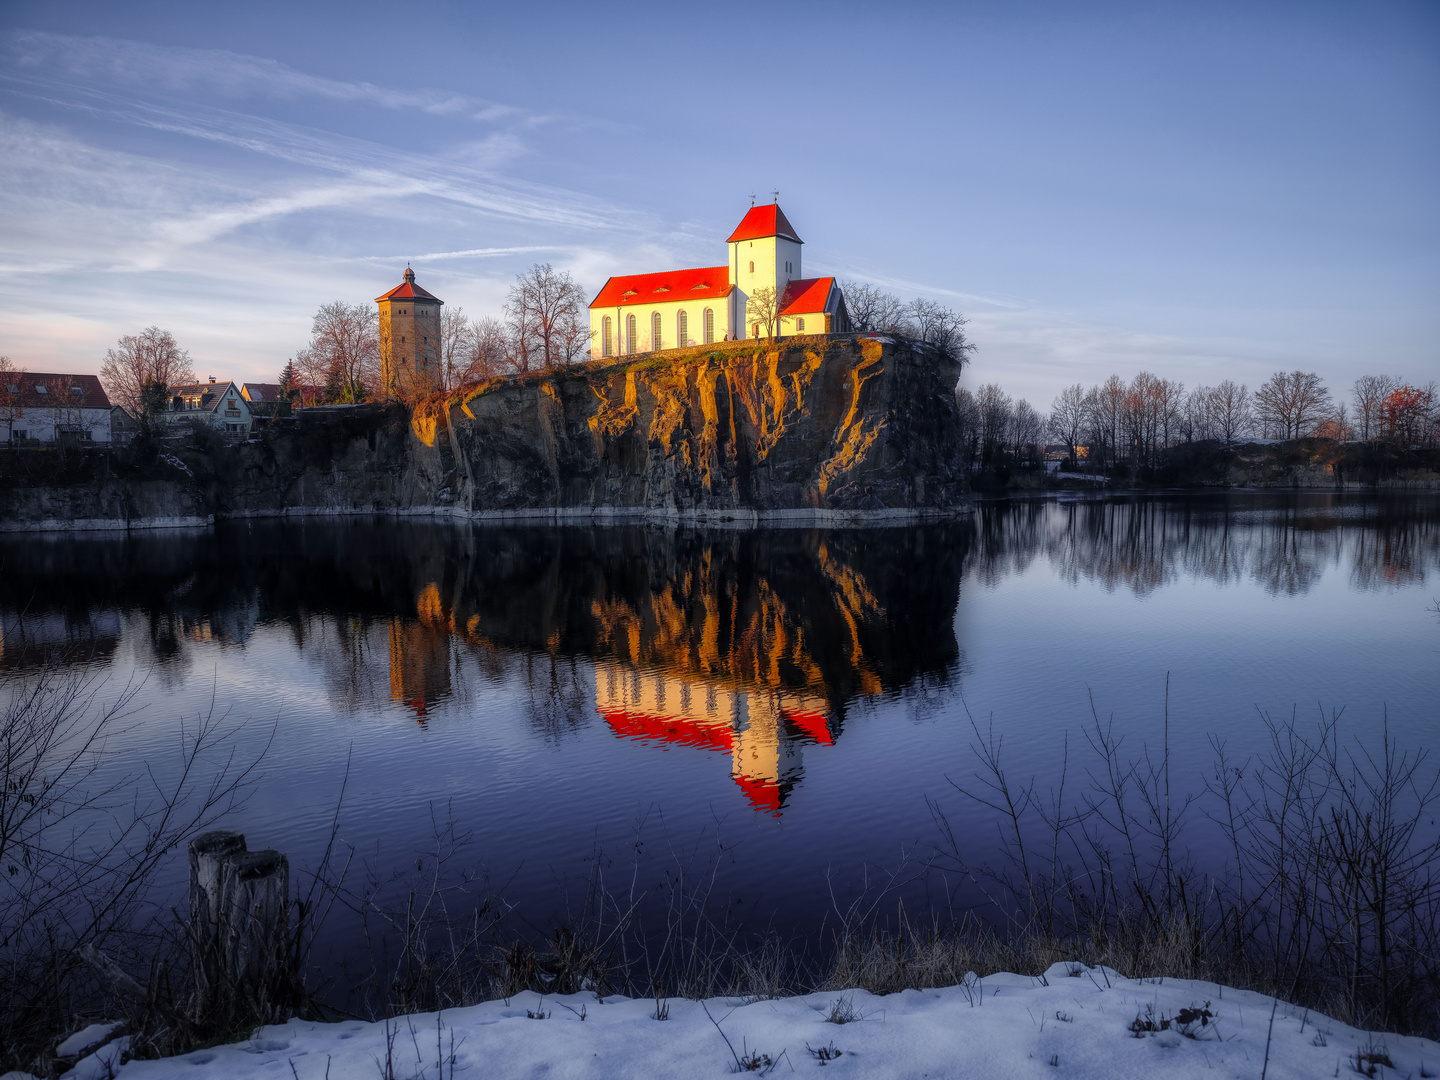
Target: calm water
779,703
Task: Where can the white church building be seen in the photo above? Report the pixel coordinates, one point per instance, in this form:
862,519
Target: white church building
762,292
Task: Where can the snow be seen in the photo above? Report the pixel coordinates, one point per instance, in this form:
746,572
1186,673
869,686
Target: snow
1073,1022
85,1038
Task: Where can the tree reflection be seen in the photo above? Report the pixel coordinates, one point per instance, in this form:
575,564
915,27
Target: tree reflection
1284,545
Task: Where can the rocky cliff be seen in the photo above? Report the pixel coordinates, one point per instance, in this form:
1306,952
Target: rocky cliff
825,428
856,424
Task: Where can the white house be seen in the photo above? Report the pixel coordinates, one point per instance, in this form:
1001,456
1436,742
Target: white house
219,404
761,292
39,406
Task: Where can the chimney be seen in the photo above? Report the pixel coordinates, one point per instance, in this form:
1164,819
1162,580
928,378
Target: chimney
212,378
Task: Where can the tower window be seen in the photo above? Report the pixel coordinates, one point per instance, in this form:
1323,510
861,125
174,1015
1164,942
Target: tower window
752,266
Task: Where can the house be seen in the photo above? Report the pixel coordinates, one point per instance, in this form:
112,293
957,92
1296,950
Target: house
40,406
761,292
220,405
264,399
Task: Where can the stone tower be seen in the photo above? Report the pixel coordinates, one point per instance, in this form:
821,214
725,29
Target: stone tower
409,341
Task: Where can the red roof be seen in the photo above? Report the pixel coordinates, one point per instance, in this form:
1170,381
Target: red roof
806,295
27,394
700,283
408,290
763,221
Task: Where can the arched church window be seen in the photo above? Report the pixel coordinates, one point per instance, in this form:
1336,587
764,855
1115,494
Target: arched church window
656,337
709,326
799,326
752,266
630,335
606,346
682,329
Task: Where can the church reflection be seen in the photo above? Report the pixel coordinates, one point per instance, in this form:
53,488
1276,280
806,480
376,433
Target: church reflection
762,731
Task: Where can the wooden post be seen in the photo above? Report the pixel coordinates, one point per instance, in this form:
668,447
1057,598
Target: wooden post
239,924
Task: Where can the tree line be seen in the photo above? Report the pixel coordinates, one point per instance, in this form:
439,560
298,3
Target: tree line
1116,421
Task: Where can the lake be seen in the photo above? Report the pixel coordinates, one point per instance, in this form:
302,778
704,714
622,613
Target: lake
776,706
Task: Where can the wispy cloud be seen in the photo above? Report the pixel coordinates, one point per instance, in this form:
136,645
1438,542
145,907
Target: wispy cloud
177,69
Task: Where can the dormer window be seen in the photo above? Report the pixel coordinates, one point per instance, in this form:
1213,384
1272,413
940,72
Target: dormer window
12,389
77,391
40,388
630,292
663,288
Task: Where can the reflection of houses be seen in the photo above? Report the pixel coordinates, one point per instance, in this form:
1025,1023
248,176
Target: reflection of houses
761,729
57,637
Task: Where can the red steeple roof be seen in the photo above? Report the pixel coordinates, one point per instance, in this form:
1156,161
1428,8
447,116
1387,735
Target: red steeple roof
408,290
764,221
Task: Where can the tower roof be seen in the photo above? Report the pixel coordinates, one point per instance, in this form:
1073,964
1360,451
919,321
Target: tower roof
764,221
408,290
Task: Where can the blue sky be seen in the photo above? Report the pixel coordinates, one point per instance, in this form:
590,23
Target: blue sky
1202,191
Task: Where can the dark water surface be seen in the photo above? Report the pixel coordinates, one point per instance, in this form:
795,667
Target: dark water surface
780,702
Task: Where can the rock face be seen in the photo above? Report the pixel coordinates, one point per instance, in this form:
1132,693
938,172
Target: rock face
857,424
814,427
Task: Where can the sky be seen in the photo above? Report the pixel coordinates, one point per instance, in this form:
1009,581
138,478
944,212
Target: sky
1202,191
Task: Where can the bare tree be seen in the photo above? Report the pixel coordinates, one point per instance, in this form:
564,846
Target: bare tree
1369,394
993,410
1027,431
345,340
547,319
1408,413
969,421
762,310
312,372
937,325
872,309
1067,418
11,408
1230,411
1107,410
1292,402
148,358
489,347
457,336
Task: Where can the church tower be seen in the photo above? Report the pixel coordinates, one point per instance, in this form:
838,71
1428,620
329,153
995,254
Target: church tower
409,341
764,254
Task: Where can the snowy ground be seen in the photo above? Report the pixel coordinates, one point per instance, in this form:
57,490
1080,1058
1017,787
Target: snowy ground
1073,1022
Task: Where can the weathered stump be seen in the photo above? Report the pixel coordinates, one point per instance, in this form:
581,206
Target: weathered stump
239,929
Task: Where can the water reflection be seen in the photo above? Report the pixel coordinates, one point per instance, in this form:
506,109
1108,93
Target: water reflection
750,644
